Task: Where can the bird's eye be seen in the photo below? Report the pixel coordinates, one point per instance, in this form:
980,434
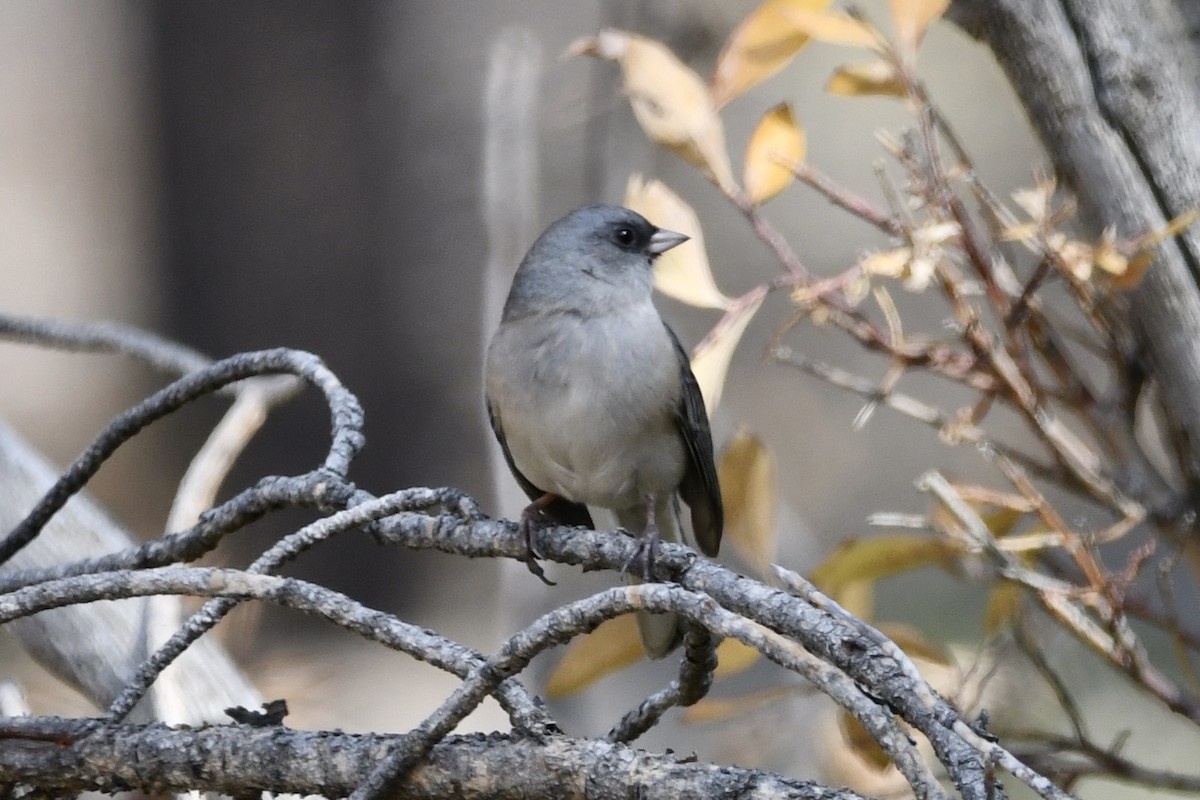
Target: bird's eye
624,236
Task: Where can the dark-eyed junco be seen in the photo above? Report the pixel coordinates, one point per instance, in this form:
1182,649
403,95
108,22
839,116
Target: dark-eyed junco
591,396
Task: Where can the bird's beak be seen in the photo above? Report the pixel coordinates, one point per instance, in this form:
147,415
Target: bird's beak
663,240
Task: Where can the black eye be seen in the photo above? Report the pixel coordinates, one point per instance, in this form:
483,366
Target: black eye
624,236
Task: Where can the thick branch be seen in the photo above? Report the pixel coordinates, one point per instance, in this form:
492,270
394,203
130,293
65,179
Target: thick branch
233,758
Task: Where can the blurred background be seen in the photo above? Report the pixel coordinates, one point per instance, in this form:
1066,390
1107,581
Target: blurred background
245,175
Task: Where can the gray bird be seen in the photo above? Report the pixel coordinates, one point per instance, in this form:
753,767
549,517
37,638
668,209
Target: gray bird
591,396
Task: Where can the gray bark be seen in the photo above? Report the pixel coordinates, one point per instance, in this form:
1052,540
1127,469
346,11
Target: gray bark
229,758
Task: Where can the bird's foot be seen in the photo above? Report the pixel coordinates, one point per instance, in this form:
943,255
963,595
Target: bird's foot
531,517
644,555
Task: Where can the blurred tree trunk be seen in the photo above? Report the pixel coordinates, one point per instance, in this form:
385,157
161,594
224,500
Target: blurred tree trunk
1113,89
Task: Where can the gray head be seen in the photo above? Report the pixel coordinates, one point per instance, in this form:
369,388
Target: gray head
595,257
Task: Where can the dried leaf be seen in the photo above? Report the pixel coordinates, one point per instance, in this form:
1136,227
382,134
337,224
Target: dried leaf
871,559
857,597
1134,271
682,272
760,46
734,657
710,360
716,709
833,28
860,742
749,477
614,645
669,99
873,78
888,264
1173,228
1035,200
915,643
1021,233
912,19
1142,255
1076,256
776,147
935,233
1003,604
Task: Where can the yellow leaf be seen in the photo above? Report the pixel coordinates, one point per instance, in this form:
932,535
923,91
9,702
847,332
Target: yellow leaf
1107,254
857,597
881,556
734,657
912,19
716,709
760,46
1021,233
915,643
614,645
748,478
860,742
1002,520
874,78
1002,606
669,100
833,28
682,272
1134,271
1143,249
710,360
1174,228
776,147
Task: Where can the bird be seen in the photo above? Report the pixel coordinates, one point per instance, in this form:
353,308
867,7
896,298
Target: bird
592,399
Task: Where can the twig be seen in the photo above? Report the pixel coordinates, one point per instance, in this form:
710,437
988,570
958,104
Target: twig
345,410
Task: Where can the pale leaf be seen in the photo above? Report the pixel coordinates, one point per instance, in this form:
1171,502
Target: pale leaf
833,28
749,485
857,597
1021,233
1143,249
1134,271
713,709
710,361
916,644
1003,605
1107,255
935,234
668,98
734,657
912,19
861,743
879,557
888,264
614,644
683,272
760,46
873,78
776,147
1035,201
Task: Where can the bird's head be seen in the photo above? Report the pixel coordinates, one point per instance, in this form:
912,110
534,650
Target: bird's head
596,256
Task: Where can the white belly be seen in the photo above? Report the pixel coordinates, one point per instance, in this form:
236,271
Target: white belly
588,409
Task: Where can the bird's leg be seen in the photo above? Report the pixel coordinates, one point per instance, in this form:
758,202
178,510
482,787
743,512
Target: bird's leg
530,518
648,544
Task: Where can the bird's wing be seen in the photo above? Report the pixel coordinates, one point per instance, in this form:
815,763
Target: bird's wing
561,510
699,488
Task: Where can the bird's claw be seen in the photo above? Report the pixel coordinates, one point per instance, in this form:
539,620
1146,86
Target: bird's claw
529,520
644,557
